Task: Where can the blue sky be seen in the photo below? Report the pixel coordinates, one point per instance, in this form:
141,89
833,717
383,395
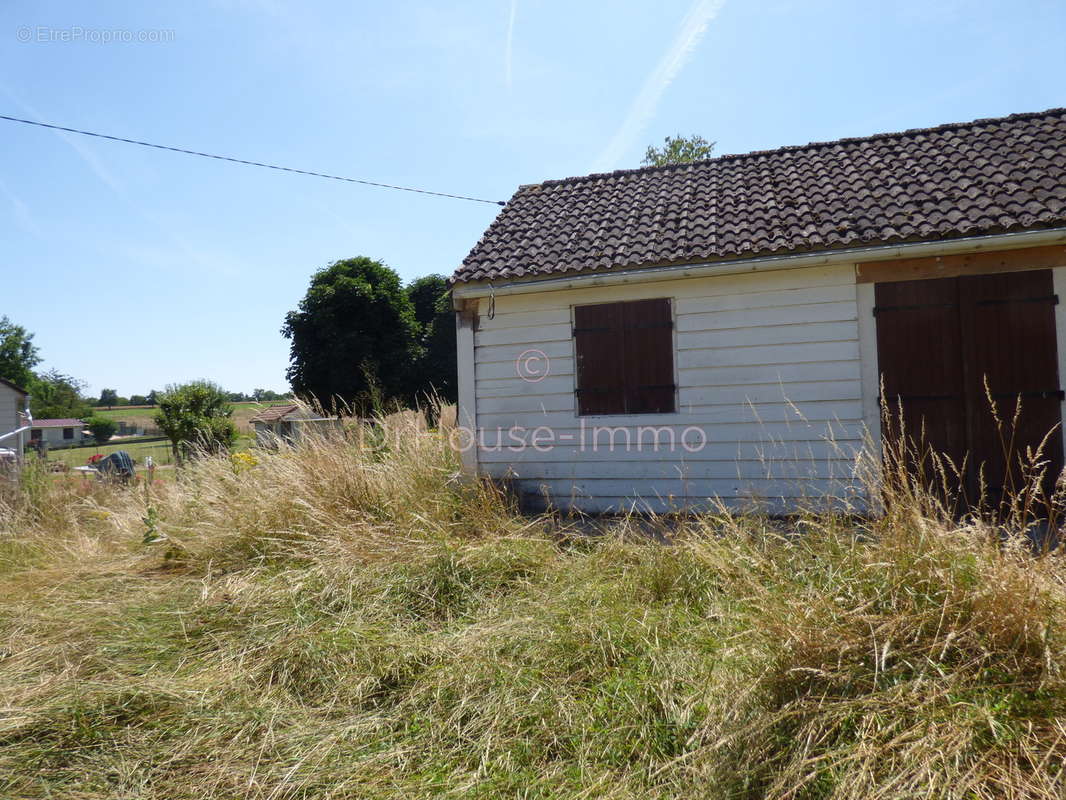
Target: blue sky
136,268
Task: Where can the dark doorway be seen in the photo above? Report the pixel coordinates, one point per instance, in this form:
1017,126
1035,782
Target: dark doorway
939,341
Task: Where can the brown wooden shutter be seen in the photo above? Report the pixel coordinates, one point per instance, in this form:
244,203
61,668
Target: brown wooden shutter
625,357
648,345
598,347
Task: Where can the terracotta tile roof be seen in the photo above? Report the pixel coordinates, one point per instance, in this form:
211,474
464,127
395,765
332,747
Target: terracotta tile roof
964,179
57,423
273,413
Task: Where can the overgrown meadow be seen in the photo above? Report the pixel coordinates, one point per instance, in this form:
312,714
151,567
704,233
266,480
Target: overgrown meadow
346,619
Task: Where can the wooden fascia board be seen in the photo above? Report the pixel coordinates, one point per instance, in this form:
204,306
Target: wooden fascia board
951,266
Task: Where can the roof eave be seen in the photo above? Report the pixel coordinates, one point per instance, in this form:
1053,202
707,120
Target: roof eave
643,273
14,386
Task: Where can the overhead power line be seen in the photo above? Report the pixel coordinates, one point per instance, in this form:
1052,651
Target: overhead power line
251,163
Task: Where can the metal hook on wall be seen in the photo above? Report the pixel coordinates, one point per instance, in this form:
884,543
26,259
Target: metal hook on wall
492,303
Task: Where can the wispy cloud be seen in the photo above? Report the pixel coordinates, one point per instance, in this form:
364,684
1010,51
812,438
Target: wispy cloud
207,261
642,110
508,53
87,155
23,216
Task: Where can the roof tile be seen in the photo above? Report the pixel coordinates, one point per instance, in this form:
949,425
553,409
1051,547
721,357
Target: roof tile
963,179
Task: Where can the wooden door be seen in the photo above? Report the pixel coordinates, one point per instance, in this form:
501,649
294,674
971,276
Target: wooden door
1011,361
941,342
919,354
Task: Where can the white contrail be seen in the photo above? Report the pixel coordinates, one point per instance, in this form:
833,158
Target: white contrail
22,212
510,41
641,112
104,174
85,153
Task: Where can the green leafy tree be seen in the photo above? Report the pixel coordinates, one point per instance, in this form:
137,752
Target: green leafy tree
108,397
18,354
438,368
138,400
101,428
435,375
196,416
354,329
266,395
678,150
425,293
54,395
152,397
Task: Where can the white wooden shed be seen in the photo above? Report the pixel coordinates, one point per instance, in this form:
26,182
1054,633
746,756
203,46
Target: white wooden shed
670,337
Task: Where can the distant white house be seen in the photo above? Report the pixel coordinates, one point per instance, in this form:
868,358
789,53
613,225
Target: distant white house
288,423
58,432
13,419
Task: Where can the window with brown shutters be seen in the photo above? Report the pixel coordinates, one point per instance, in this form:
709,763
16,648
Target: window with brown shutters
625,358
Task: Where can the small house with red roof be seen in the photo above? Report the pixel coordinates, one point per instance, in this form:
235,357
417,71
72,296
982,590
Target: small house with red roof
58,433
288,423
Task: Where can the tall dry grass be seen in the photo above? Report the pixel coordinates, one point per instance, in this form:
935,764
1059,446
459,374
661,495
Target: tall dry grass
345,619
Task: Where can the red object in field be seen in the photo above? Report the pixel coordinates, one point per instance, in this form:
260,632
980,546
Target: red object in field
95,458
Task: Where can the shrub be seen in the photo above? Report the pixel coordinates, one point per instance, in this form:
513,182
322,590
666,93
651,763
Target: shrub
101,428
196,418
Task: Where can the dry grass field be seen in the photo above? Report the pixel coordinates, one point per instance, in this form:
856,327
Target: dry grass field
347,620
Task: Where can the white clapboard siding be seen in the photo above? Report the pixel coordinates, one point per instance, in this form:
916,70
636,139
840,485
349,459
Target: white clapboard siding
689,288
770,373
605,432
772,392
756,317
692,400
724,356
820,411
674,487
782,453
511,386
657,469
840,331
533,334
769,395
526,405
752,300
779,497
604,438
510,353
836,498
10,406
495,370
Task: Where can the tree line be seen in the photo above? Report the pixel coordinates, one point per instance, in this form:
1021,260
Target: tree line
56,395
110,397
